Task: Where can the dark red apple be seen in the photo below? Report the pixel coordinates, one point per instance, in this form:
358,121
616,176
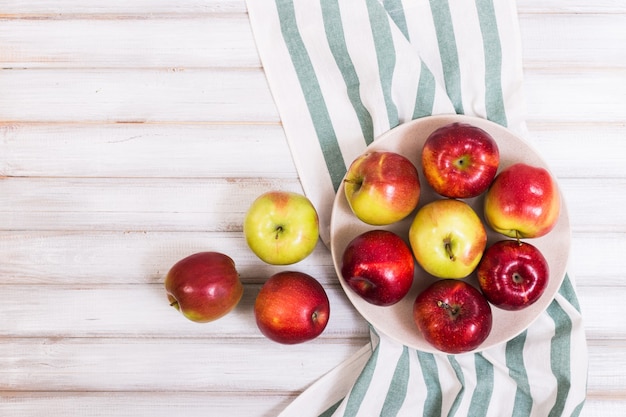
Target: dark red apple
292,307
378,265
512,274
453,316
460,160
204,286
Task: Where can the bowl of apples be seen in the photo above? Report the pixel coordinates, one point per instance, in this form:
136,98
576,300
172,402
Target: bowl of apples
450,234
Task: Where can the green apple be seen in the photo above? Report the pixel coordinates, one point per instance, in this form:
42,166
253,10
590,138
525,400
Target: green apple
382,187
447,238
281,227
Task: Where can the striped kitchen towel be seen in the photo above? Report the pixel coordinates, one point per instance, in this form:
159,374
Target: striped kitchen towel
341,74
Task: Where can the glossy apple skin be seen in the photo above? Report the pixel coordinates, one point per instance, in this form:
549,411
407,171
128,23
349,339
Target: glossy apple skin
522,202
382,187
378,265
204,286
460,160
447,238
513,275
281,227
453,316
291,307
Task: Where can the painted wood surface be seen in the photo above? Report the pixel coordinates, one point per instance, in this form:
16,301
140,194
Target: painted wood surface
133,133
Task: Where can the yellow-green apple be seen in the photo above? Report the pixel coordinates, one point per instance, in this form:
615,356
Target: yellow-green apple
378,265
281,227
460,160
453,316
291,307
448,238
512,274
522,202
204,286
382,187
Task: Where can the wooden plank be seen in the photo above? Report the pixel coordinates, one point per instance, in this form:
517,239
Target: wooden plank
153,364
214,150
189,365
145,150
223,39
214,95
215,204
84,257
123,311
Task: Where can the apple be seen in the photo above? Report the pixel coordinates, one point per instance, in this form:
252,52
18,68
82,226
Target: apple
453,316
522,202
460,160
281,227
512,274
378,265
204,286
291,307
382,187
447,238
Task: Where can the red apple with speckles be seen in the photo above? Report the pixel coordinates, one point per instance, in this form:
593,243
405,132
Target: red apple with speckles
522,202
378,265
204,286
460,160
382,187
453,316
291,307
513,275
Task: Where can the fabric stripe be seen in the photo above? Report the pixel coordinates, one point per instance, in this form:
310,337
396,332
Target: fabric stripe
560,356
425,98
448,52
312,92
331,410
567,290
398,387
494,101
359,390
459,375
333,26
517,371
396,12
386,55
434,396
484,387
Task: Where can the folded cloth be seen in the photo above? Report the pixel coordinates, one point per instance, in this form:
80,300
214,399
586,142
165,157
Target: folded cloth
341,74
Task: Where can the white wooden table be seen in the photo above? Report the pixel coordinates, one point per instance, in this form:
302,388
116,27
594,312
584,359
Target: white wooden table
134,133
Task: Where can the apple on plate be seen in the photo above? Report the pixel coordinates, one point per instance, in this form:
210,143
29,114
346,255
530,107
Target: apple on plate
453,316
291,307
378,265
447,238
522,202
382,187
512,274
204,286
281,227
460,160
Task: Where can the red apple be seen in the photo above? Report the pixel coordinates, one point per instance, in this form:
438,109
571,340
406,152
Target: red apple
512,274
382,187
453,316
522,202
378,265
460,160
204,286
292,307
447,238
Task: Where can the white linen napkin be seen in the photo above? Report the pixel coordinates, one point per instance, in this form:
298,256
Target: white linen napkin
341,74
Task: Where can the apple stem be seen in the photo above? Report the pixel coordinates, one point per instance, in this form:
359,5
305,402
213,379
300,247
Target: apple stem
279,230
453,311
448,247
518,236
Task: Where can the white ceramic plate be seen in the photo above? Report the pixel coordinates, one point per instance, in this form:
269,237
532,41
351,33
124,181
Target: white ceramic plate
396,321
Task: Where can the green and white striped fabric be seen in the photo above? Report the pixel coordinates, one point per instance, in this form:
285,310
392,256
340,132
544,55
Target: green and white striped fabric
341,74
